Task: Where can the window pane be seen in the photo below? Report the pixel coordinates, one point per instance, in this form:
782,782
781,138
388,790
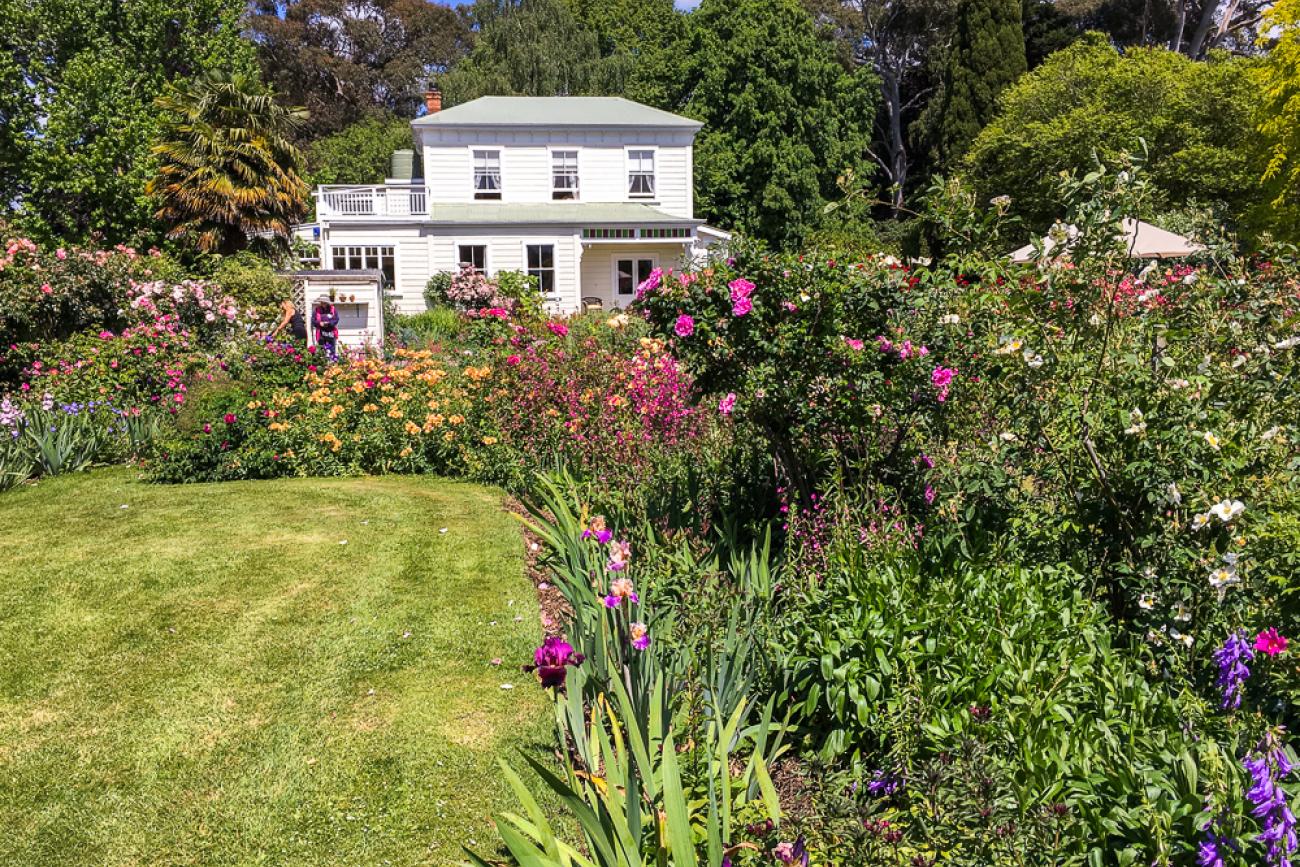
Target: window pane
534,257
643,269
473,255
625,283
340,259
487,174
387,266
547,279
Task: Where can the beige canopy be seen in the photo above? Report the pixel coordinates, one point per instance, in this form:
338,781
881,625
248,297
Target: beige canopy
1143,240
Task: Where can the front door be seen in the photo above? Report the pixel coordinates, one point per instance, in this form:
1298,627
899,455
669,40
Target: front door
629,273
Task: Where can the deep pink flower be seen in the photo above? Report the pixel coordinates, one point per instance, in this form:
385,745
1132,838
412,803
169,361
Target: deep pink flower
685,326
559,329
740,288
1270,642
741,306
728,403
513,360
550,661
228,418
854,344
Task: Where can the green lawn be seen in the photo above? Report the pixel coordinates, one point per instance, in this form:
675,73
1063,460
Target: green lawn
206,675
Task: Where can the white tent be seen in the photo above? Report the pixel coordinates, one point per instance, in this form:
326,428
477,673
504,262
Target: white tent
1142,240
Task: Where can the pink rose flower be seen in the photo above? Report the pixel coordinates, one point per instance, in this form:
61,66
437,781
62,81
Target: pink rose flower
727,404
1270,642
685,326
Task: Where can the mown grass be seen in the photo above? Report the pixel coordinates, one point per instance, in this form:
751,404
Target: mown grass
206,675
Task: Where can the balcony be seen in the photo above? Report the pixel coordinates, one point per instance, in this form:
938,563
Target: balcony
374,200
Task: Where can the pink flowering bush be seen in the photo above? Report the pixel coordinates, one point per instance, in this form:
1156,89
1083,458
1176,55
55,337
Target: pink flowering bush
824,358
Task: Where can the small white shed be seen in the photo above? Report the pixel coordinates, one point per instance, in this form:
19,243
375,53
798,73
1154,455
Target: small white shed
357,296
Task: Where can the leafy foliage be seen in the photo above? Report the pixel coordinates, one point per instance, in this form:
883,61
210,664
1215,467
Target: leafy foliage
346,61
1279,114
77,120
1089,101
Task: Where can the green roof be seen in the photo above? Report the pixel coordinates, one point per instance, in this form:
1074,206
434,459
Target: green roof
558,213
595,111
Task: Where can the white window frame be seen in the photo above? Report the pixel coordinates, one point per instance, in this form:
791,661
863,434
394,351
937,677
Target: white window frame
554,244
634,258
577,172
457,243
473,172
361,255
627,172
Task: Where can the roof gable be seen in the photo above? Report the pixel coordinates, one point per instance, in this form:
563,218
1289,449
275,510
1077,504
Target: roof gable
554,111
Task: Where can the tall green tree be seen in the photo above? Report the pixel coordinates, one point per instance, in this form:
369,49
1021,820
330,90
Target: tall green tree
228,167
344,60
77,83
528,48
359,153
783,117
1279,117
988,55
1196,118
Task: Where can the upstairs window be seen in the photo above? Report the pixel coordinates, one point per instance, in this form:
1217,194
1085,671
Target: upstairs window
487,174
473,256
564,174
641,174
541,265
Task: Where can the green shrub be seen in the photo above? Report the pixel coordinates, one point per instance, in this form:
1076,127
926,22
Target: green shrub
436,325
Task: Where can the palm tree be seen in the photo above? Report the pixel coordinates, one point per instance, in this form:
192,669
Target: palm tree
228,167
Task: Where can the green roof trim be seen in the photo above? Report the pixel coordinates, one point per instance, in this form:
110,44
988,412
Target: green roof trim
559,213
552,111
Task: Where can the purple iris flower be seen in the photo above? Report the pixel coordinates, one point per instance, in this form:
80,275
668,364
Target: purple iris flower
550,661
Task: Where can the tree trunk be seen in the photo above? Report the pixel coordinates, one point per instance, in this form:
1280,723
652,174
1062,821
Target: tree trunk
1176,43
1199,44
895,143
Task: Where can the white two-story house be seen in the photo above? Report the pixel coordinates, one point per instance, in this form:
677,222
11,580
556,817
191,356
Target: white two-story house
586,194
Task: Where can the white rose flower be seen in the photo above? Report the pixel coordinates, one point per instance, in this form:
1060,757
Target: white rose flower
1147,601
1270,433
1224,577
1211,440
950,319
1289,343
1182,613
1032,359
1200,521
1172,495
1226,510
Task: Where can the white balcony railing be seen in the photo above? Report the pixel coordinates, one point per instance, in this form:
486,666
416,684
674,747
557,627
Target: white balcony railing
377,200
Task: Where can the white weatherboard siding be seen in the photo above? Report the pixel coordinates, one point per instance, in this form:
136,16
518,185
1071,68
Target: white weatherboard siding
526,164
410,257
505,252
598,268
426,221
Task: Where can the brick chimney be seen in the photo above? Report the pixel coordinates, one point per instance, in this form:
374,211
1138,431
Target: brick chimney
433,100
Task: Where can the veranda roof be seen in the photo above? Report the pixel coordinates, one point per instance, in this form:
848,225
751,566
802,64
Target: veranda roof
1141,239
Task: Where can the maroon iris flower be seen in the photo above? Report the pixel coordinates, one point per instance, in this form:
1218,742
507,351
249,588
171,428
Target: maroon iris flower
550,661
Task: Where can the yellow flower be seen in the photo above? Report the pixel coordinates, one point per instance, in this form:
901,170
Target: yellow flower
405,453
336,410
370,407
394,413
412,428
456,419
449,436
489,441
254,404
433,404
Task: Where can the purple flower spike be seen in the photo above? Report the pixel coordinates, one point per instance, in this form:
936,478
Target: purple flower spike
1267,766
1232,659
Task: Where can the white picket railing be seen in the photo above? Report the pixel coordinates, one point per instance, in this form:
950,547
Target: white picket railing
377,200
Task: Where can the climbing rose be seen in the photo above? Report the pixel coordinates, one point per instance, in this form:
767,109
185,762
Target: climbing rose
559,329
685,326
228,418
727,404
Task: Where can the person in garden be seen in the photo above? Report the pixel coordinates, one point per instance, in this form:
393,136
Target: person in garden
325,322
291,318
